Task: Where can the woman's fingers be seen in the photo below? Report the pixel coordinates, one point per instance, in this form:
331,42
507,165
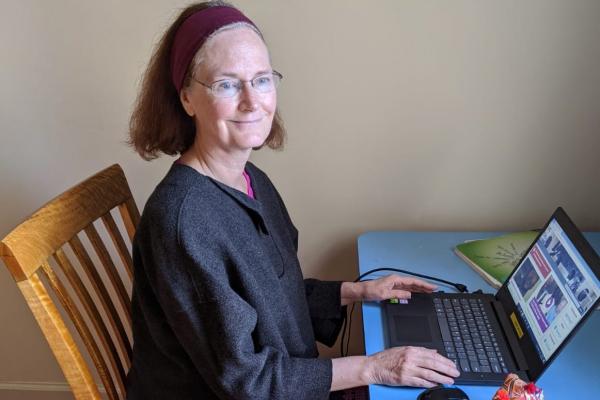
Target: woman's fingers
437,362
413,284
420,382
399,294
394,286
439,372
428,367
435,377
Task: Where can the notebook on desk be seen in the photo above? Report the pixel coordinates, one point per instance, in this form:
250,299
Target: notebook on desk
523,327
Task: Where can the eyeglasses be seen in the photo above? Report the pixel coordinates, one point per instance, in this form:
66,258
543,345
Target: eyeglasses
225,88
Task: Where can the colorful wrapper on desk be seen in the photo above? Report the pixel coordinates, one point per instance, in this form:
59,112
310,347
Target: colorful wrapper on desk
516,389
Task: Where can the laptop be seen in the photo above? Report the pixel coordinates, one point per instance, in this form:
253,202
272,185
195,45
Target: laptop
523,327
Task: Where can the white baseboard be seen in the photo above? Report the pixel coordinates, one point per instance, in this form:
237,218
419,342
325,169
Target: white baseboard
41,386
35,386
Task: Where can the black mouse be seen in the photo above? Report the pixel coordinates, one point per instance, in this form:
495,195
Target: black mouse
443,393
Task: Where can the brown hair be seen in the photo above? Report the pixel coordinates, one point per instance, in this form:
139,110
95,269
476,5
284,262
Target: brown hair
158,122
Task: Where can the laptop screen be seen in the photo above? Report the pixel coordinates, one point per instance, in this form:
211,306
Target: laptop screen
553,288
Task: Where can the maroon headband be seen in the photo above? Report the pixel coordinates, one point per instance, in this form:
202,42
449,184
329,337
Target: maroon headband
194,31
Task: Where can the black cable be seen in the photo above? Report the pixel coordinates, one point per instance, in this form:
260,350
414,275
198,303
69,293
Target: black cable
348,320
349,328
344,333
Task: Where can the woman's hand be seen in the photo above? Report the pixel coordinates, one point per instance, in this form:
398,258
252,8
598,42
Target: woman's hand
394,287
389,287
410,366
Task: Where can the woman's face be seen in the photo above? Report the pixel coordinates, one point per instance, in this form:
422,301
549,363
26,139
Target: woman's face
243,121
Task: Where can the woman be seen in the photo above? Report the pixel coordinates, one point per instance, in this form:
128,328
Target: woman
220,307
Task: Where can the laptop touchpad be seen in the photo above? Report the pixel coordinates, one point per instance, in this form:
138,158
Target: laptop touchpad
412,328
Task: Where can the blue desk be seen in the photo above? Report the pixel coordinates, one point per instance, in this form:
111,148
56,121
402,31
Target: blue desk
431,253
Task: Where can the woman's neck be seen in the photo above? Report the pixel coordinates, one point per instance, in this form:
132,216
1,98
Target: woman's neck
224,167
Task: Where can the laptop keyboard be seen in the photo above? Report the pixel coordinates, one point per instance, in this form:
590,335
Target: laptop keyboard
469,339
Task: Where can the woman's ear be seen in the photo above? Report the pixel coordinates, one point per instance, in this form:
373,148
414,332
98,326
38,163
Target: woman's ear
186,102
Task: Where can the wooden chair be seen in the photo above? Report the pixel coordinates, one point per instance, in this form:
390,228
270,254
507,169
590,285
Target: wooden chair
41,240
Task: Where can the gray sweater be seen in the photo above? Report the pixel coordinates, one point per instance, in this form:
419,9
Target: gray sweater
220,307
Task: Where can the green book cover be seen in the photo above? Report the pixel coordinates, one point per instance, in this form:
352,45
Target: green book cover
495,258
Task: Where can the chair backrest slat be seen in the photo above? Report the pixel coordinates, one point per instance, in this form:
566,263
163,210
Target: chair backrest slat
91,290
115,235
130,216
64,348
82,328
94,315
121,292
110,269
96,281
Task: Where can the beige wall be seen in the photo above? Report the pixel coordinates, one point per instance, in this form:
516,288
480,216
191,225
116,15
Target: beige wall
418,115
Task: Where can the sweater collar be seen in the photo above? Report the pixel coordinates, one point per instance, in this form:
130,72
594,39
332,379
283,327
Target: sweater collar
252,206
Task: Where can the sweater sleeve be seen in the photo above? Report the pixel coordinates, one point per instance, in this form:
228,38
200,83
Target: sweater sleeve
324,297
326,312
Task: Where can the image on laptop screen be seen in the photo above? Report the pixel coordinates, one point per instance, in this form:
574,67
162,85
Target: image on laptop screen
553,288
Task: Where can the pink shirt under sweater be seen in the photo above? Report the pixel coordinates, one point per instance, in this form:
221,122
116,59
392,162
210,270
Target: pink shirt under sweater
248,185
250,192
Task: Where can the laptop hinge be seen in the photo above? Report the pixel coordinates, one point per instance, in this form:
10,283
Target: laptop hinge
513,343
